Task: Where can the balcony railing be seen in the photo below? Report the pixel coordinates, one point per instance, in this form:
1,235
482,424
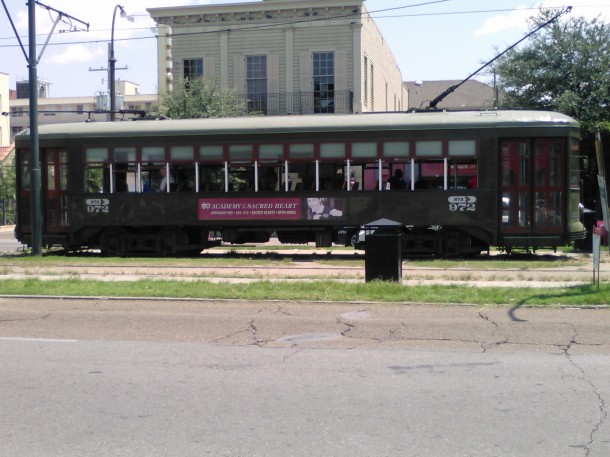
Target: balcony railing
340,102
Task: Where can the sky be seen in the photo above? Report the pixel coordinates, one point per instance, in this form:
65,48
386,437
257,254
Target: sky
430,39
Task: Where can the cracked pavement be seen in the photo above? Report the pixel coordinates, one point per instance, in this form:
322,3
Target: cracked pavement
578,337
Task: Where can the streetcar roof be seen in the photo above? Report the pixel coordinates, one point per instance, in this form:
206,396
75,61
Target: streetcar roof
308,124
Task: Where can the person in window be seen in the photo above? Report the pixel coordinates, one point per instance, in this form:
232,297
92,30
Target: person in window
397,182
269,181
166,179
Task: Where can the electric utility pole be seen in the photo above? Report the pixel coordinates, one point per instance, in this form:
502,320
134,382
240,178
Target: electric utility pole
32,61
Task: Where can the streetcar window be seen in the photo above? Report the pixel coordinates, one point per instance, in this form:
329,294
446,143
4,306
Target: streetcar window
241,177
396,149
212,177
577,164
431,174
150,176
294,181
125,170
301,151
364,150
25,172
462,148
182,154
185,177
211,152
96,155
63,170
555,164
429,149
124,154
241,152
270,151
95,160
302,176
267,177
375,175
462,174
153,154
51,172
331,176
332,150
355,176
94,178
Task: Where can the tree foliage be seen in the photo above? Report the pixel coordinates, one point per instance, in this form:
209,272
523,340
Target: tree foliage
202,99
563,68
7,181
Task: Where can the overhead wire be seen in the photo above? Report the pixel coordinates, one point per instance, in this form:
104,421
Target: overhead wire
375,14
276,24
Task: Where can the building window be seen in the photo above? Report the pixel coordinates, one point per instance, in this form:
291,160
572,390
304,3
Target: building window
17,112
256,83
80,109
324,82
193,69
372,87
366,80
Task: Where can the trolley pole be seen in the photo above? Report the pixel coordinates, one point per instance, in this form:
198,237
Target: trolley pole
34,143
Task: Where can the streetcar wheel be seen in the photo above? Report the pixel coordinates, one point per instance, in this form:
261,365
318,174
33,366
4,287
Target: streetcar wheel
451,242
113,241
171,240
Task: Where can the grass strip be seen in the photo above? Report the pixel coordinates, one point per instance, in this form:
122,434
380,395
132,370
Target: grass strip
584,296
514,262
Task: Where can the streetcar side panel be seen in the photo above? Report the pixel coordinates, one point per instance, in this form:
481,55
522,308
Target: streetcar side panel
444,177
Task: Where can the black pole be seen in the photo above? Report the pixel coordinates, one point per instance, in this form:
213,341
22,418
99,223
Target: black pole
34,144
111,68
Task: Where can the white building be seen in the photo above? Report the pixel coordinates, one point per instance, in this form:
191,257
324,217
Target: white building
79,109
285,56
4,110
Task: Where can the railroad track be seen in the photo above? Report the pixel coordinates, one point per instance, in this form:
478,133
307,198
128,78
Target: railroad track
309,270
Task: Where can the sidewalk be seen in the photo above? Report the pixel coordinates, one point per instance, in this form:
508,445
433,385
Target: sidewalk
7,228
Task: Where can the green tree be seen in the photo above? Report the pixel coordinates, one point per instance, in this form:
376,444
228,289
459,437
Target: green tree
7,193
564,67
202,99
7,181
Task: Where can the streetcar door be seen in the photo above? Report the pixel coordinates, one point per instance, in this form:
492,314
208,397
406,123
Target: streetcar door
24,186
531,177
55,182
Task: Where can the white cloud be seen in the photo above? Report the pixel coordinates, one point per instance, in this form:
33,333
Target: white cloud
74,53
514,19
518,19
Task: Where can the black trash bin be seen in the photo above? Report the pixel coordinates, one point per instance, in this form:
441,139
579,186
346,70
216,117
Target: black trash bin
383,251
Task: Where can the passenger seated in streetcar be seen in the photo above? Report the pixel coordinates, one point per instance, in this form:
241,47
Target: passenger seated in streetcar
185,183
397,181
167,179
269,181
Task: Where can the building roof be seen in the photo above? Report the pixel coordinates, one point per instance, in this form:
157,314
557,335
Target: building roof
472,94
5,151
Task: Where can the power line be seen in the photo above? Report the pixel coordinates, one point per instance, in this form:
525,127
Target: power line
373,14
353,14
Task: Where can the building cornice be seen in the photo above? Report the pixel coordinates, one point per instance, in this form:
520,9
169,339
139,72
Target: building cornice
264,12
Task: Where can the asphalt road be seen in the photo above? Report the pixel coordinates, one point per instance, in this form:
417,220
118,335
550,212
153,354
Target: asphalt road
225,378
8,243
